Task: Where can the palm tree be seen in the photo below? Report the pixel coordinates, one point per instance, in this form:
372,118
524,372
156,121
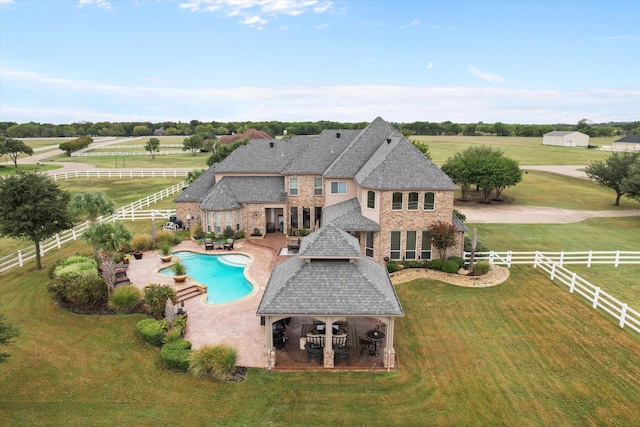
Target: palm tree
90,205
107,238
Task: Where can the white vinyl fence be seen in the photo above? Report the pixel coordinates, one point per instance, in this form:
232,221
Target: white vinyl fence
120,174
553,264
130,212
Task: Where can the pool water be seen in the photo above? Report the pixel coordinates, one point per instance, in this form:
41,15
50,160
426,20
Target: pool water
223,275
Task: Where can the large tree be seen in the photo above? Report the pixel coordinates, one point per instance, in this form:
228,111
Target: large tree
613,172
14,148
153,146
90,205
193,143
631,184
443,236
471,167
33,206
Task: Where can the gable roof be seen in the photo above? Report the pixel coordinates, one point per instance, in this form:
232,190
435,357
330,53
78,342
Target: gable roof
262,156
199,188
234,191
303,286
563,133
348,216
329,242
633,138
248,134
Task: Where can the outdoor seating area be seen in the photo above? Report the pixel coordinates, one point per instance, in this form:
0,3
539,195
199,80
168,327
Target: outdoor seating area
293,246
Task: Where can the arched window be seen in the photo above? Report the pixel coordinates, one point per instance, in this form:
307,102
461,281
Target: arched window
413,202
429,201
371,199
396,204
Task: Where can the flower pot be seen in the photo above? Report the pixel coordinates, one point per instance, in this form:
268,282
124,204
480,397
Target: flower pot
137,254
180,278
166,258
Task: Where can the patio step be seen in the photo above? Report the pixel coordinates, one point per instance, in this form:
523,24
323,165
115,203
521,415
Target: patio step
189,291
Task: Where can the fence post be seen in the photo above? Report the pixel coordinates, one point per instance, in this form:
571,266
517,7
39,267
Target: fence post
509,254
20,260
589,259
623,314
561,258
595,297
617,258
58,240
573,283
553,271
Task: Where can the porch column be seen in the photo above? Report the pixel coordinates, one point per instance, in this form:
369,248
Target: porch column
389,357
270,352
328,342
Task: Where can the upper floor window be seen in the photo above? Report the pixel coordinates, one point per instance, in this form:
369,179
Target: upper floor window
429,201
412,205
293,186
371,199
396,204
317,186
339,187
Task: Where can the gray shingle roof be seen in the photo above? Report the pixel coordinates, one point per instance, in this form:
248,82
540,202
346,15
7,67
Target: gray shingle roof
233,191
329,242
260,157
329,287
348,217
321,151
399,165
360,150
630,138
199,188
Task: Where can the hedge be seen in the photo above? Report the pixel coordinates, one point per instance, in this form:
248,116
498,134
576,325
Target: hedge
175,355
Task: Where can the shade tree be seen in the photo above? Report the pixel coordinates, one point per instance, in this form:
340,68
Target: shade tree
613,171
153,147
14,148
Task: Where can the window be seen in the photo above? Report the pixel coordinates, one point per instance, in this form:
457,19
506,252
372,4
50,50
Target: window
413,202
317,186
227,219
396,204
410,246
237,220
293,186
371,199
318,216
218,224
395,245
368,244
338,187
293,213
429,201
306,218
426,246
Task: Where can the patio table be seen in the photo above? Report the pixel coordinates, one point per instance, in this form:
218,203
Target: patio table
376,337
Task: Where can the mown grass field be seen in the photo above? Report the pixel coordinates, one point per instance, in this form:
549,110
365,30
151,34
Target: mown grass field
184,160
523,353
526,150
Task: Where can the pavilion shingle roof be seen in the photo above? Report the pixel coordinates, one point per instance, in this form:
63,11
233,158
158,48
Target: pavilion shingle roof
348,217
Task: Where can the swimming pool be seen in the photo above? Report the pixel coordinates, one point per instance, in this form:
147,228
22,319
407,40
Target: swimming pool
223,275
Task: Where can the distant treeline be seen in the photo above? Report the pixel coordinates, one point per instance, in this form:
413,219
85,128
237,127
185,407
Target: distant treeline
274,128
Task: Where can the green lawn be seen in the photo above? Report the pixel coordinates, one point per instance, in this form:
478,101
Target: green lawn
527,151
9,169
185,160
523,353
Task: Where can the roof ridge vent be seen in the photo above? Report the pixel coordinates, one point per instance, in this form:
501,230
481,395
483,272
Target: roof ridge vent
337,134
388,140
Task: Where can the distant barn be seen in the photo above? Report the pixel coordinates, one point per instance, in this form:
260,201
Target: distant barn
628,143
249,134
564,138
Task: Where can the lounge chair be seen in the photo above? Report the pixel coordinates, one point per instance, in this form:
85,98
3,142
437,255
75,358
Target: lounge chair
208,243
228,245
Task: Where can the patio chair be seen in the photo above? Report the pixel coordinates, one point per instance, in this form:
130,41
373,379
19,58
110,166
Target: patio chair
340,352
366,346
208,243
228,245
314,350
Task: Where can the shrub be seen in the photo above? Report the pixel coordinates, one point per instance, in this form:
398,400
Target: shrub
172,335
480,268
239,235
175,355
152,332
144,323
217,362
155,296
458,260
165,248
141,242
413,264
393,266
436,264
179,269
76,264
229,233
180,323
83,293
125,299
169,237
450,266
197,232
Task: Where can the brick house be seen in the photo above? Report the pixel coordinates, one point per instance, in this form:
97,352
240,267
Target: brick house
372,183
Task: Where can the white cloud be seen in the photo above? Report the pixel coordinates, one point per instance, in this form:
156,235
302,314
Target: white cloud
6,2
250,9
430,66
254,21
414,23
486,76
322,26
463,104
103,4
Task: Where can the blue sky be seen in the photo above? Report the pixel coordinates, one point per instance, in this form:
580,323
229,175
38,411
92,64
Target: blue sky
295,60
